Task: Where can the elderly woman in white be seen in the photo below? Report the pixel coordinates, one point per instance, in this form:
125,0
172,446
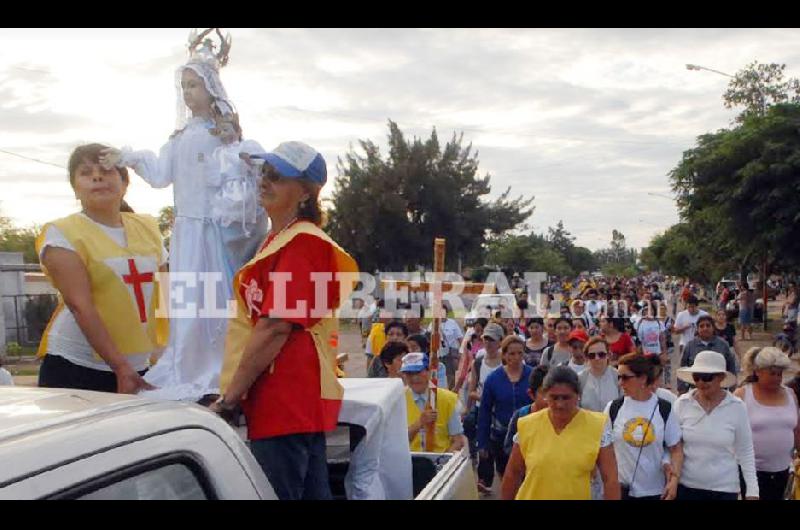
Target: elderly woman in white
715,427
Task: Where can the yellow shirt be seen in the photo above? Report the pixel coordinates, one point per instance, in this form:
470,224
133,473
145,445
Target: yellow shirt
377,338
446,402
559,466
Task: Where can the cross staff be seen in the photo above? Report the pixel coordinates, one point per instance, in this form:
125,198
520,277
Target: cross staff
435,288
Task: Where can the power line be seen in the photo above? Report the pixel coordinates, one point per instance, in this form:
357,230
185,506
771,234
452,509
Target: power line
31,159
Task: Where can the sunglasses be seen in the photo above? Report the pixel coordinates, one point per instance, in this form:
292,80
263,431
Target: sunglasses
706,378
599,355
625,377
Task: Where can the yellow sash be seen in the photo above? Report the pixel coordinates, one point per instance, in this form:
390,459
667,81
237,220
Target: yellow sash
325,332
117,284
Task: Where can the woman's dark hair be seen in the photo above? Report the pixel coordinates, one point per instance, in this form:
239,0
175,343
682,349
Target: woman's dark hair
89,153
534,320
422,340
562,375
617,322
392,350
311,209
658,368
705,318
640,365
396,324
559,320
537,378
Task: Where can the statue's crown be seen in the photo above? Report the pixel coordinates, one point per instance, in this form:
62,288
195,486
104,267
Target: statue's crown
203,49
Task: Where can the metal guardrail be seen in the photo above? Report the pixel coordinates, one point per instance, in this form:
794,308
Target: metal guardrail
28,328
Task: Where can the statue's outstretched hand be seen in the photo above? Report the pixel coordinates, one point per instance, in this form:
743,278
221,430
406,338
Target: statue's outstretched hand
110,157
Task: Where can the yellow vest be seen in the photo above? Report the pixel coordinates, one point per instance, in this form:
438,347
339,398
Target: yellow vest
121,280
445,407
559,466
325,332
377,338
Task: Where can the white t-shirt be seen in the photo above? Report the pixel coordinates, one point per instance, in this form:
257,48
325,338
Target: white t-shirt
649,333
577,368
630,432
663,393
451,336
594,307
5,378
684,318
66,338
484,373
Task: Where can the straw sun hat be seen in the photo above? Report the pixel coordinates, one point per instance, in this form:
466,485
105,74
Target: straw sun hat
707,362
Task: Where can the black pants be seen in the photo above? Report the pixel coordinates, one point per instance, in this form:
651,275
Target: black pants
57,372
471,431
626,495
498,459
693,494
771,486
295,464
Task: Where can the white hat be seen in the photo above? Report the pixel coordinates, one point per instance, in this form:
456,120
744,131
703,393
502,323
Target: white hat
707,362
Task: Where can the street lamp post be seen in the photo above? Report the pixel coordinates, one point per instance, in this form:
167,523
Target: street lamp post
698,67
762,99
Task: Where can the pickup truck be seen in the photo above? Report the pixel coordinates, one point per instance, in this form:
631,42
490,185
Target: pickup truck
75,444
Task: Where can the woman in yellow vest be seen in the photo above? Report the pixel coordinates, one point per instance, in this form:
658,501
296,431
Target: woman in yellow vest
449,432
556,449
280,350
104,263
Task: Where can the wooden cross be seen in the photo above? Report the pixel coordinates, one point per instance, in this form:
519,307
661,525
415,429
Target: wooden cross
435,288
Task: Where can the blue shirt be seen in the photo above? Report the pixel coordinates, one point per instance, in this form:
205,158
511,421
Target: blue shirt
499,400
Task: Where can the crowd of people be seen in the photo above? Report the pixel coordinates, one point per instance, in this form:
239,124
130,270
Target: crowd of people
578,404
566,402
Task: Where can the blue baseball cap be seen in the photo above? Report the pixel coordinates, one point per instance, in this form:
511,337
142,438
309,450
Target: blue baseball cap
296,160
414,362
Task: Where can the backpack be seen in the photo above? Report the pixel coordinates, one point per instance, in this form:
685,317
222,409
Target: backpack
664,408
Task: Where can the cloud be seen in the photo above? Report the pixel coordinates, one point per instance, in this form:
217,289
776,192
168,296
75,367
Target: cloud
588,120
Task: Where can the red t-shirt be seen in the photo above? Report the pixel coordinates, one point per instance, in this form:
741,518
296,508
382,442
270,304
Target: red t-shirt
288,400
623,345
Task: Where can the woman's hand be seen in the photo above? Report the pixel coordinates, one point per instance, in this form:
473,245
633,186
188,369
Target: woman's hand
110,157
130,382
671,489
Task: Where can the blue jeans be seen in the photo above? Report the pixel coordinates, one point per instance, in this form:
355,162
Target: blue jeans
295,465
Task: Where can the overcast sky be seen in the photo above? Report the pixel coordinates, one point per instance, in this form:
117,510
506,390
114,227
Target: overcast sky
589,121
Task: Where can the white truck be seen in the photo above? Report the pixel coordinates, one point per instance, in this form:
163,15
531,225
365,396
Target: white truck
74,444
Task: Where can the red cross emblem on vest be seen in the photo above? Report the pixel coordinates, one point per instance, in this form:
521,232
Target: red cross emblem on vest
136,280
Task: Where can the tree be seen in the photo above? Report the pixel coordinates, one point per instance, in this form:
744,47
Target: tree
758,86
15,239
166,221
560,239
387,211
526,253
617,254
740,186
581,259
